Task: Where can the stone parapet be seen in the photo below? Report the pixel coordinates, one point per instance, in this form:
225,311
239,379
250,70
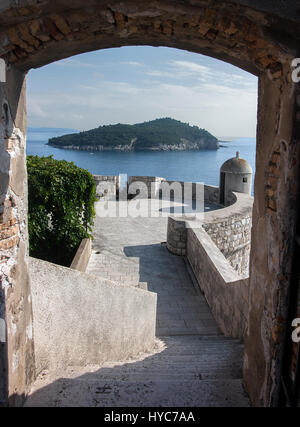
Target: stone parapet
107,186
218,249
144,186
230,229
81,319
225,291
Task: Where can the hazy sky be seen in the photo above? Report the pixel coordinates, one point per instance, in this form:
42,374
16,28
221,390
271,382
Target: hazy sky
136,84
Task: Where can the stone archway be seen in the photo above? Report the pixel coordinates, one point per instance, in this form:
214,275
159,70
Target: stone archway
261,40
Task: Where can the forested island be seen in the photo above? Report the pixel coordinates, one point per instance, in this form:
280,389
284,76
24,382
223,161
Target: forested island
157,135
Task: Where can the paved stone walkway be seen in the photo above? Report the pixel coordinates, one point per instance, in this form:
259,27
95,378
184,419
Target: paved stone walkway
132,252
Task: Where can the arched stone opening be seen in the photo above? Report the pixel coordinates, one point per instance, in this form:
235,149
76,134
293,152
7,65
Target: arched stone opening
260,41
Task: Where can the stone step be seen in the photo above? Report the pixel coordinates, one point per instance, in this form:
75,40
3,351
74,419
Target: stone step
187,360
172,375
115,270
191,357
85,391
110,259
119,276
207,340
116,276
168,373
198,355
176,332
188,365
112,267
214,372
198,350
108,267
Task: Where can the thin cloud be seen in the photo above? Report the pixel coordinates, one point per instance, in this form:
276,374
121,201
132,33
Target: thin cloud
35,109
75,63
191,72
191,67
133,63
158,73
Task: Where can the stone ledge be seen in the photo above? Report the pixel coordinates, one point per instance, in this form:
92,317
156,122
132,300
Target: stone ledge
222,286
224,289
80,319
242,206
82,256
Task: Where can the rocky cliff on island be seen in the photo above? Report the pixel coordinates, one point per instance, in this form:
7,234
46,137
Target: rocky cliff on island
157,135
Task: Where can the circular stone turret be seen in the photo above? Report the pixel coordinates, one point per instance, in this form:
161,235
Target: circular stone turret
235,175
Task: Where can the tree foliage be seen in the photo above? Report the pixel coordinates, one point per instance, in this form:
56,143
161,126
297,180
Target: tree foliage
148,134
61,200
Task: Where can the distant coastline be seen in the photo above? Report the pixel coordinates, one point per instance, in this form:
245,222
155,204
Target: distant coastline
184,146
47,129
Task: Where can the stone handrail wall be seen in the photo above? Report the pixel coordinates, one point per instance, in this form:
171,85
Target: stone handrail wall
107,186
151,183
225,290
230,229
218,250
211,193
152,186
82,320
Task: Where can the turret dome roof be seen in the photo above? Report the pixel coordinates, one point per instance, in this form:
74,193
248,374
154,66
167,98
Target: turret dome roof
236,165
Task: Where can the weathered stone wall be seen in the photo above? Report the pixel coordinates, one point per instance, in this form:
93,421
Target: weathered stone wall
82,320
233,237
212,194
149,186
196,190
225,290
218,249
177,236
153,186
229,228
16,354
107,186
273,234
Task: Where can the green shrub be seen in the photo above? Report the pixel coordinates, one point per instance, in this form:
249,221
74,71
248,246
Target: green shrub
61,200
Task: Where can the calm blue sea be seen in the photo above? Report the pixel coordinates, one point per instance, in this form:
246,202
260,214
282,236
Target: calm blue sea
190,166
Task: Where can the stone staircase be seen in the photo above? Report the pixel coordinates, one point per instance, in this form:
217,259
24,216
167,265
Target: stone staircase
181,371
191,364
